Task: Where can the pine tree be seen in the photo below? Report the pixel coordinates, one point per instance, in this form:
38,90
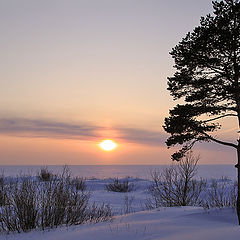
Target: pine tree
207,77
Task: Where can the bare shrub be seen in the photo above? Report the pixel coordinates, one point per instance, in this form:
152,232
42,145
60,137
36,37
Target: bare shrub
25,204
79,183
3,194
120,186
128,204
55,195
62,203
48,204
2,178
44,174
77,209
21,211
99,213
9,221
176,186
220,194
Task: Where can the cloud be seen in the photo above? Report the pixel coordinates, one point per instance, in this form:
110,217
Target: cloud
142,136
46,128
42,128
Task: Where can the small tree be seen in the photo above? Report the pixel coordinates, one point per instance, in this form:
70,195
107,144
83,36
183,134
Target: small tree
207,77
176,186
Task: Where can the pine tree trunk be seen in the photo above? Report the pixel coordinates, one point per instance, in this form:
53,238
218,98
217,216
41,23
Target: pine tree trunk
238,157
238,195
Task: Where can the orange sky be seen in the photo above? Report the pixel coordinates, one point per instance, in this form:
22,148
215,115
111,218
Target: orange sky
76,72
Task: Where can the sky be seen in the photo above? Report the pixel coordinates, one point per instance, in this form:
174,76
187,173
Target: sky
75,72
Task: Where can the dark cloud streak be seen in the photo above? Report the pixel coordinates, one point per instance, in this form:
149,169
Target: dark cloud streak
41,128
142,136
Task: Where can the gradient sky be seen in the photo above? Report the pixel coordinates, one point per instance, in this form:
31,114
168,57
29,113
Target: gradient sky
75,72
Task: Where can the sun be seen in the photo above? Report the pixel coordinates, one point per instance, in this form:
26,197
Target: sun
108,145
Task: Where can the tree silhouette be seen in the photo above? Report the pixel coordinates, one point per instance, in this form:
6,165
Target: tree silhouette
207,77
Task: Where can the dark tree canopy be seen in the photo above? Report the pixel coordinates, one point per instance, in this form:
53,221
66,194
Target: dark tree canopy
207,77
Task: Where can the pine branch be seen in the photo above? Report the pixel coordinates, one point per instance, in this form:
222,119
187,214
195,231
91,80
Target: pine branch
220,141
226,115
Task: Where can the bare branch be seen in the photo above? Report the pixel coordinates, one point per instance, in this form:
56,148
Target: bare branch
226,115
220,141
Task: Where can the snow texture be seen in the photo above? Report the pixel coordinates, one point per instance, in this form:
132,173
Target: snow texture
186,223
175,223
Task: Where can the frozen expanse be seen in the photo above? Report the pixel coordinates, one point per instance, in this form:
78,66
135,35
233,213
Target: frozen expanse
132,221
120,171
186,223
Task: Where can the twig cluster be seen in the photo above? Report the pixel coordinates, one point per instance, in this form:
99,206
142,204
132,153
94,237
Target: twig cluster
220,195
120,186
32,204
176,186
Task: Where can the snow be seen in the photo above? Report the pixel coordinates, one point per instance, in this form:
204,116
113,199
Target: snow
187,223
116,200
175,223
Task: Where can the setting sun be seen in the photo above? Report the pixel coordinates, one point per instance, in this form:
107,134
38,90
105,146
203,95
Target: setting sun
108,145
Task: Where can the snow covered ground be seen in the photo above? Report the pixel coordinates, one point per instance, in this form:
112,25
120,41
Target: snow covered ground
134,222
177,223
136,198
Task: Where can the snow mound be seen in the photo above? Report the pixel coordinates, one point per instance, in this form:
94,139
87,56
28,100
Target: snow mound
176,223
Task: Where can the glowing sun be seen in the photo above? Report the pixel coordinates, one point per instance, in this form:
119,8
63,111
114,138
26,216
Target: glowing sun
108,145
